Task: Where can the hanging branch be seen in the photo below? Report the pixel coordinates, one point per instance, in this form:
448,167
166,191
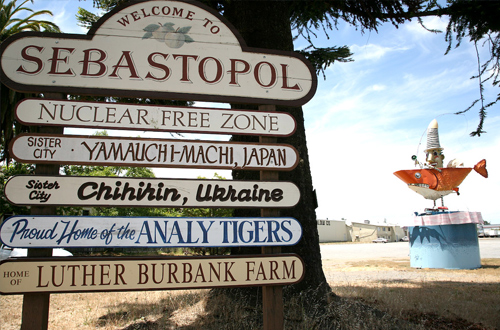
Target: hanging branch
482,109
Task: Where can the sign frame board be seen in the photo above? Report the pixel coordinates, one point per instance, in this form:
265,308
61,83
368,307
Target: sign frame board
99,274
149,152
152,232
107,115
182,50
46,190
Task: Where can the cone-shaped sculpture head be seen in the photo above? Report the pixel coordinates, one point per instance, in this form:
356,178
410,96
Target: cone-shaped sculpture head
434,152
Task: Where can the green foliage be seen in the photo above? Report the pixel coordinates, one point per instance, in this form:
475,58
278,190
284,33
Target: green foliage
11,23
208,213
139,172
16,18
114,171
85,18
307,17
80,170
8,124
322,58
6,171
107,5
475,19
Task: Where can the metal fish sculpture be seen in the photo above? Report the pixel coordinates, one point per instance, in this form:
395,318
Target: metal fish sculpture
432,180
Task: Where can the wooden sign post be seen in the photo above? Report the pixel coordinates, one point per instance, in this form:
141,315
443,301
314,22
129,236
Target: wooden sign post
272,296
36,305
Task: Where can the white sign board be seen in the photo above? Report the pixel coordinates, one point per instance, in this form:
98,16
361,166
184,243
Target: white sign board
149,192
105,151
154,232
153,118
147,273
157,49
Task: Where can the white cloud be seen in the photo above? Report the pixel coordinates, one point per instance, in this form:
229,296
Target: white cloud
372,52
431,23
377,87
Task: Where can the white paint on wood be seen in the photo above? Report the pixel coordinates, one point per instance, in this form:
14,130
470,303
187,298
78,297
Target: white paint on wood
105,150
147,273
149,192
153,118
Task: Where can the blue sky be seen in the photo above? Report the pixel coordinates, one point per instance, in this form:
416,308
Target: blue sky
369,117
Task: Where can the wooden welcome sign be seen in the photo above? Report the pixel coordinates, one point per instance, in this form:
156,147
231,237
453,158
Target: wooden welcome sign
181,50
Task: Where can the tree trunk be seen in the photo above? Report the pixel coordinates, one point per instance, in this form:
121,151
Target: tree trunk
266,24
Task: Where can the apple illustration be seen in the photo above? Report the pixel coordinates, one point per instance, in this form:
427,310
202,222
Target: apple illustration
175,39
166,33
159,35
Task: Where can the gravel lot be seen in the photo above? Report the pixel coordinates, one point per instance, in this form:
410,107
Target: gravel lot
489,248
350,263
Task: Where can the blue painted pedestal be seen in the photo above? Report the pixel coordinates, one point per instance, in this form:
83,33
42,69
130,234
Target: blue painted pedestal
445,246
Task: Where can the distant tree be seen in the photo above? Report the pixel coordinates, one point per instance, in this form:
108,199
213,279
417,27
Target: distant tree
113,171
208,213
14,19
6,171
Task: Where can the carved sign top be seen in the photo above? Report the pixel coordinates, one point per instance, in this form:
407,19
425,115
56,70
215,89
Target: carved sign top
157,49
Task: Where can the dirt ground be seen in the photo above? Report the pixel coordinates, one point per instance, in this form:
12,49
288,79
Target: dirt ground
381,275
365,262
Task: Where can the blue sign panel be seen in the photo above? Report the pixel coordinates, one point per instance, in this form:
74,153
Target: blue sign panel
71,231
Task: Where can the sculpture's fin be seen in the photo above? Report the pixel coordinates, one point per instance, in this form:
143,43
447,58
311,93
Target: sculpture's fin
481,168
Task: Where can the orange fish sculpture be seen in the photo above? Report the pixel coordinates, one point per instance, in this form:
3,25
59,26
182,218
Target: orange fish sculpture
432,180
